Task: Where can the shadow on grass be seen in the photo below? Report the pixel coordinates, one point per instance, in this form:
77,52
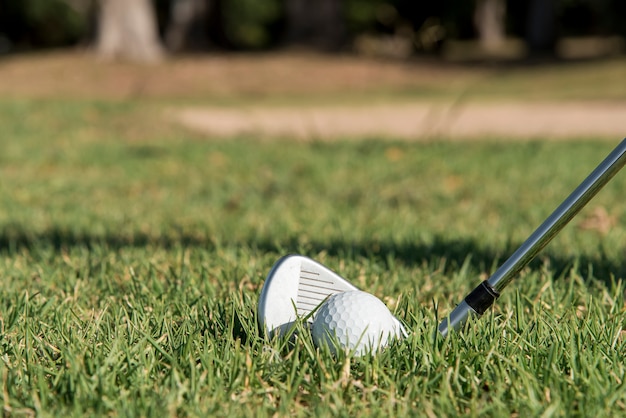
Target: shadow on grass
597,265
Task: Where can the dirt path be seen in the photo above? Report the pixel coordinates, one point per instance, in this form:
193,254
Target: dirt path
415,121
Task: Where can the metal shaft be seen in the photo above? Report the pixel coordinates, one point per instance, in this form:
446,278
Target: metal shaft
488,291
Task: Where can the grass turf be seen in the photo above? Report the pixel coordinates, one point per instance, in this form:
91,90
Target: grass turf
131,257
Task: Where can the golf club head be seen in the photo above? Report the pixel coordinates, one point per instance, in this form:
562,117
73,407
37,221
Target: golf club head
294,287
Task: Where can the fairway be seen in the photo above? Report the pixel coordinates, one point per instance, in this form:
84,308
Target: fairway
133,251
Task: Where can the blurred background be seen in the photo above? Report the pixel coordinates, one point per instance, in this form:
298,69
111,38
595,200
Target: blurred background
446,58
146,30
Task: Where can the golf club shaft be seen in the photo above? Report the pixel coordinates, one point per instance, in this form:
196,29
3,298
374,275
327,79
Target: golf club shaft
483,296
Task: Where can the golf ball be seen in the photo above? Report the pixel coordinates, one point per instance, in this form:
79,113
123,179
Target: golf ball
355,320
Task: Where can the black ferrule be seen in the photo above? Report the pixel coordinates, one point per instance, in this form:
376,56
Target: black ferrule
481,298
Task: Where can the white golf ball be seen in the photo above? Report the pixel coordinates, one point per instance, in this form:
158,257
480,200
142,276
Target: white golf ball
355,320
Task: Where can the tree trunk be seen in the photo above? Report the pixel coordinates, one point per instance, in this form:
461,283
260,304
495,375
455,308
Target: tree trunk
489,18
188,26
317,23
128,30
541,27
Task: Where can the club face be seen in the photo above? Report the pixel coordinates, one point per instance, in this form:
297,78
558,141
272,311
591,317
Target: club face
295,286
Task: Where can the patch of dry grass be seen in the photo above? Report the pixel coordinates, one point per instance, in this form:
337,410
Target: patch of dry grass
301,77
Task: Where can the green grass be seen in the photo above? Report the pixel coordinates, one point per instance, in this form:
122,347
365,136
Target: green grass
132,255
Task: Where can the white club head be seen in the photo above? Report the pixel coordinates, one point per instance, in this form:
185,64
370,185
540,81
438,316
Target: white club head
295,286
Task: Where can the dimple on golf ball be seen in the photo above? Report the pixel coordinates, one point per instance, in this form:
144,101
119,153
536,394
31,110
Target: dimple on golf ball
355,320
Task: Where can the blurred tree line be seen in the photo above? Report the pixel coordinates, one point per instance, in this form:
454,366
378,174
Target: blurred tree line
150,27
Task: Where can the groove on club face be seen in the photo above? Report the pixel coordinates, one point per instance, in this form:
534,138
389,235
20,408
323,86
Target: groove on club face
315,285
486,293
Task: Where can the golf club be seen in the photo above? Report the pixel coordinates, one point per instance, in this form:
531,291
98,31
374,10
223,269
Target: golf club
294,287
485,294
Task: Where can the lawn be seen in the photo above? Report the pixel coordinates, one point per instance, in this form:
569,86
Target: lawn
132,254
